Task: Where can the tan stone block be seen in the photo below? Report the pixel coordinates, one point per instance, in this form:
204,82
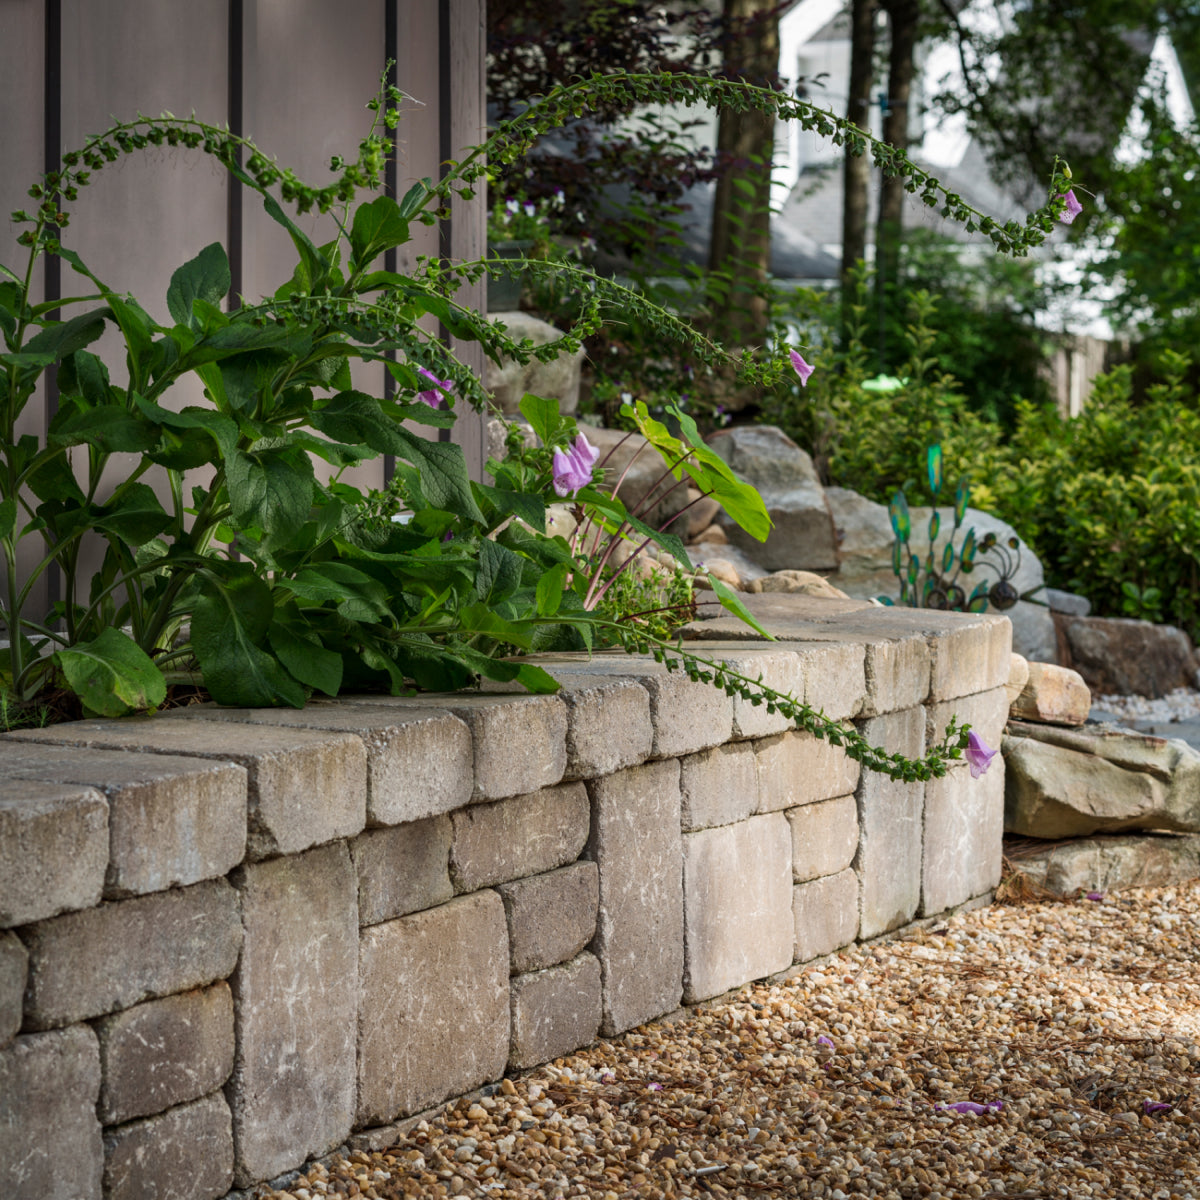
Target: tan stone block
551,917
824,837
608,726
964,835
434,1014
825,912
53,849
898,673
972,653
523,835
1054,695
402,869
799,768
14,962
554,1012
718,786
778,669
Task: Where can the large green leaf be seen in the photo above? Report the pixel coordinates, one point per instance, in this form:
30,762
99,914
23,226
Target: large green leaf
357,596
222,429
111,428
136,517
270,489
377,227
307,659
444,479
205,277
499,572
358,419
112,674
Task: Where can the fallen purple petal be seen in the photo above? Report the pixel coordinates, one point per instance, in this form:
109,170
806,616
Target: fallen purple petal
970,1106
654,1087
824,1041
1150,1107
1095,895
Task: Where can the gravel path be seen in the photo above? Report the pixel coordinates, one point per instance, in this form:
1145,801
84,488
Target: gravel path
1073,1026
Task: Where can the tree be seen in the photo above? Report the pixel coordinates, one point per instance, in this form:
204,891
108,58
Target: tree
856,169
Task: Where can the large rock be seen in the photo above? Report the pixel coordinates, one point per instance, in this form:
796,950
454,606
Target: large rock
640,469
558,379
1100,778
551,917
1105,862
767,459
1055,695
1137,658
865,538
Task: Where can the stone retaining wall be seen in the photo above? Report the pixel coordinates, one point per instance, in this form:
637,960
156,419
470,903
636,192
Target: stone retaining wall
229,939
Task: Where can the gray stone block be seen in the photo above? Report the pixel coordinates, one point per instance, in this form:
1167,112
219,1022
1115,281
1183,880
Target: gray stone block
898,674
14,960
172,820
520,741
50,1146
636,844
419,761
779,670
890,828
798,768
524,835
183,1154
53,849
554,1012
165,1052
737,902
608,726
402,869
718,786
824,837
971,654
306,787
825,912
292,1088
433,1017
94,962
550,917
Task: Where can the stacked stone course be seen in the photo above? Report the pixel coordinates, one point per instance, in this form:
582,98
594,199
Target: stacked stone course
231,940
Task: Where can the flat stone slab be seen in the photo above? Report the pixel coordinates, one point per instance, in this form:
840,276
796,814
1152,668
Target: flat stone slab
554,1012
825,915
1111,862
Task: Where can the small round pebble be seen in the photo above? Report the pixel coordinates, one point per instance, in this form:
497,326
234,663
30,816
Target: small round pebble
1079,1018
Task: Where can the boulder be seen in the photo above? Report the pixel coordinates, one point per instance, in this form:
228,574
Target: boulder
1062,783
508,380
1067,602
804,582
1018,676
1110,861
1052,694
767,459
702,514
1132,658
864,535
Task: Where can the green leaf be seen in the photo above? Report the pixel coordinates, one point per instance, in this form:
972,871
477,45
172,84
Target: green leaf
358,597
550,590
8,516
136,517
222,429
733,602
501,503
205,277
63,338
230,617
377,227
542,415
270,489
111,429
414,199
112,674
499,572
306,659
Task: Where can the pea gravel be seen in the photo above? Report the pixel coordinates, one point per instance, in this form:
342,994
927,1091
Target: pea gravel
1080,1017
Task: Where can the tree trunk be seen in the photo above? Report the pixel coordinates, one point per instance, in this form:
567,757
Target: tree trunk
902,16
856,176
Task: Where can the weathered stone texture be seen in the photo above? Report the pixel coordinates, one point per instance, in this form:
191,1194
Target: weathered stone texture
737,904
292,1089
183,1154
554,1012
890,827
551,917
798,768
524,835
50,1146
94,962
824,837
14,961
718,786
636,843
172,820
305,786
402,869
971,653
1118,655
1111,861
776,669
825,914
1054,694
165,1052
420,762
608,726
433,1017
898,674
53,849
964,834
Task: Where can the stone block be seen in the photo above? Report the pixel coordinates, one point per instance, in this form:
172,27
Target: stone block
824,837
636,844
835,677
1112,862
799,768
550,917
718,786
777,669
964,836
433,1017
985,712
306,786
292,1088
89,963
608,726
420,762
554,1012
50,1146
53,849
14,960
737,903
890,827
520,741
183,1154
524,835
165,1052
1056,695
825,913
971,653
898,674
402,869
171,820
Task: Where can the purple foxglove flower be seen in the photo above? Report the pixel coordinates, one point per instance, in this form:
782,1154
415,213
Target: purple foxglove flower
1150,1107
979,754
969,1106
1095,895
800,366
572,467
1073,209
431,396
